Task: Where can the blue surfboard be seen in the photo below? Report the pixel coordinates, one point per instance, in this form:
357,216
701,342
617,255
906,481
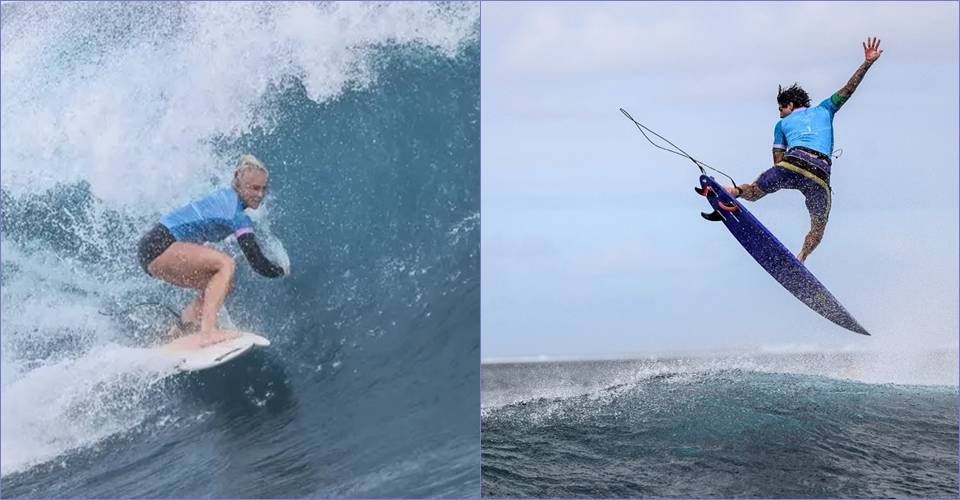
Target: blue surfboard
773,256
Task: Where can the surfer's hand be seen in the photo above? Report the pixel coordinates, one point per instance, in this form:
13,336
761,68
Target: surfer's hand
871,50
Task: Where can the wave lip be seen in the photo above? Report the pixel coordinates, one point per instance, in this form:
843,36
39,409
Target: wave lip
726,432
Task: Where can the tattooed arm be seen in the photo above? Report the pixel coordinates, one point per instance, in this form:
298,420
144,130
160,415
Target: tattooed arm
871,52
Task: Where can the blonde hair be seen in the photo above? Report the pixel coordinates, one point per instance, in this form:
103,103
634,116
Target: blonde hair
247,163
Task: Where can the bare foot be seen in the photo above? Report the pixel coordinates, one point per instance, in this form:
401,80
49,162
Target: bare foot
734,191
217,336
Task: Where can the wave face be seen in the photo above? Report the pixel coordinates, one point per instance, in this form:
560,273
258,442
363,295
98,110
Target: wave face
367,116
696,428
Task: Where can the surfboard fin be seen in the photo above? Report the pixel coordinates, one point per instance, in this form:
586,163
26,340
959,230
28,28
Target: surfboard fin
712,216
705,191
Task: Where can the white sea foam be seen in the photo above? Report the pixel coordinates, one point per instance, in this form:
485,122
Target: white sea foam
74,402
128,96
603,378
66,380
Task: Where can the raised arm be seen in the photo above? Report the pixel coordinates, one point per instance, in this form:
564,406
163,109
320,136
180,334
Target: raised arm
871,52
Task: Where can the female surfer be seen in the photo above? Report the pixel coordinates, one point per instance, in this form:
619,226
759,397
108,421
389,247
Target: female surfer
173,250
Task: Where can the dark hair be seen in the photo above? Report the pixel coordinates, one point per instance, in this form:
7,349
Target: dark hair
795,95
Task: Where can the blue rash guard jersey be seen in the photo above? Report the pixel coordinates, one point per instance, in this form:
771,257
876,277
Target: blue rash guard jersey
211,218
808,127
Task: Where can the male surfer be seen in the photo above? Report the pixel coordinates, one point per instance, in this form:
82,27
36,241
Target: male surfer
173,250
802,145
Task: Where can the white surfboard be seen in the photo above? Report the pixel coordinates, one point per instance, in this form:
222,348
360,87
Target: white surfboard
192,357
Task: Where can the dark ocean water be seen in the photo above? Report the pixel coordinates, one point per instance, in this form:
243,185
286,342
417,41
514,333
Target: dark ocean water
696,428
368,118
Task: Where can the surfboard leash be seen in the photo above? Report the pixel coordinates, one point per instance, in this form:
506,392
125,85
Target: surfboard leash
176,316
677,151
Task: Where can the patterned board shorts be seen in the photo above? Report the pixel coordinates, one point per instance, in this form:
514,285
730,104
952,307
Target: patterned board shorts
806,173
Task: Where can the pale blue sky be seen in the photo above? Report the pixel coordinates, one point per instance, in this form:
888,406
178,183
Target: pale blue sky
592,243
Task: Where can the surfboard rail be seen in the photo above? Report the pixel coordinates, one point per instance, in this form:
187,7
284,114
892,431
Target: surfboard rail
191,357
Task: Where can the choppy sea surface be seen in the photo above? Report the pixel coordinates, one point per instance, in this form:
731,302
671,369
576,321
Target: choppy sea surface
803,425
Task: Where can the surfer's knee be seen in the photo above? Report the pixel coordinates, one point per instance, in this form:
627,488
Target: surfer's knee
226,265
818,222
817,230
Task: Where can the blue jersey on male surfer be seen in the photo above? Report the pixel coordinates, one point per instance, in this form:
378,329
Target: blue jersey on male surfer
802,145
